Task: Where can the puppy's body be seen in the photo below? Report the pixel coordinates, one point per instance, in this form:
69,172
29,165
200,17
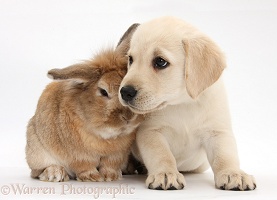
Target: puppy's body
174,76
185,127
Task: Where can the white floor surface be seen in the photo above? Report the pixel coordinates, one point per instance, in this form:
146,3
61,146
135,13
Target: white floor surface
16,184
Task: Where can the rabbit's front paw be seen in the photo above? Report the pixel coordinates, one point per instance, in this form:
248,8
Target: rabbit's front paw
54,173
92,175
110,174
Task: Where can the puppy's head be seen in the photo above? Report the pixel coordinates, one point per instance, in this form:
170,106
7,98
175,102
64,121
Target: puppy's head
169,61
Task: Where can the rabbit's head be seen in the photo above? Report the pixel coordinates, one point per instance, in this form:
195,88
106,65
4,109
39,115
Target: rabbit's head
93,87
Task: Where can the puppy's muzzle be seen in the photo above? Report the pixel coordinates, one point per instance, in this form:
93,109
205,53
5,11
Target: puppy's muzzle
128,93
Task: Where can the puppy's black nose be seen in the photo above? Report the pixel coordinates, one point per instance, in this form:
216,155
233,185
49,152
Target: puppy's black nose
128,93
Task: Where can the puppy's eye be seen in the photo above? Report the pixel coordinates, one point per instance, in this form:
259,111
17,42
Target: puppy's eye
103,92
160,63
130,60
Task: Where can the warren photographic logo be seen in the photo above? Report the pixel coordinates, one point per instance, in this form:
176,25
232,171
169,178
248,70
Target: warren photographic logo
67,189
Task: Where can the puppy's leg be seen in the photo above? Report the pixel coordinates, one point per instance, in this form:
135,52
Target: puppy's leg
159,161
223,157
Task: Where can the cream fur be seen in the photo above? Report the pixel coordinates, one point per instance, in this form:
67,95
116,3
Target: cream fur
188,125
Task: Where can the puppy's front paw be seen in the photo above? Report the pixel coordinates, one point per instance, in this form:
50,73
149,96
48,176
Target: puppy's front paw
88,176
234,180
110,174
166,181
54,173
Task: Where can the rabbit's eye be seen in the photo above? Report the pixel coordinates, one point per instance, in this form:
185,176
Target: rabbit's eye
103,92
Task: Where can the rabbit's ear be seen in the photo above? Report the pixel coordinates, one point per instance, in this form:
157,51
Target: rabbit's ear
124,42
78,73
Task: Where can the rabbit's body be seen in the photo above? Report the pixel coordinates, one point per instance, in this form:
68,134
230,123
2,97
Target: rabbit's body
80,128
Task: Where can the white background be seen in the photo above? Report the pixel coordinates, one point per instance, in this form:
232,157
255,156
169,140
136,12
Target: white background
36,36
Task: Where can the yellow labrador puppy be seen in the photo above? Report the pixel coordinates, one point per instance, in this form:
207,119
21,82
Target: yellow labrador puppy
174,78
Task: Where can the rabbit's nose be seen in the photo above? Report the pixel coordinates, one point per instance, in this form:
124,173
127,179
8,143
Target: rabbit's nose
124,118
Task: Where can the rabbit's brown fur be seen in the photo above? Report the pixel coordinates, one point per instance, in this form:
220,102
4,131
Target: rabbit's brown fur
80,129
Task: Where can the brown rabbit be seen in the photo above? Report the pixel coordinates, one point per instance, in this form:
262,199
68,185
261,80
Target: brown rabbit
80,129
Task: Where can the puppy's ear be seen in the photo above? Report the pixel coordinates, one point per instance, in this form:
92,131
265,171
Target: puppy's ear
78,73
124,42
204,64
